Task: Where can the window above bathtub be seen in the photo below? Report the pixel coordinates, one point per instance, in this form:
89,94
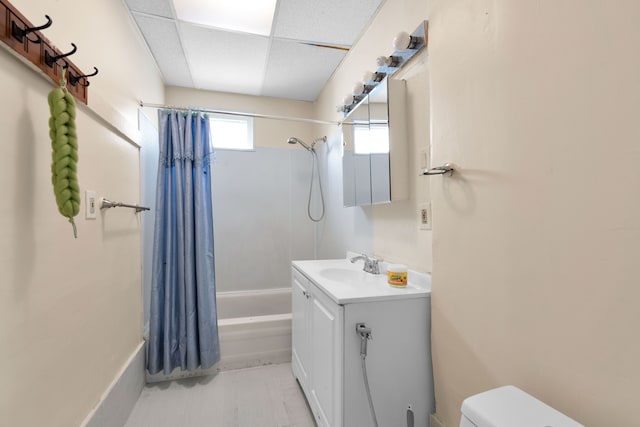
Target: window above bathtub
231,132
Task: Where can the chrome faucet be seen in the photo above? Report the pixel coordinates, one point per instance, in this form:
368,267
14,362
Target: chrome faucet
371,265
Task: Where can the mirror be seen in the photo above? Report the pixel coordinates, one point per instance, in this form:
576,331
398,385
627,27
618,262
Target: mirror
356,165
373,141
378,146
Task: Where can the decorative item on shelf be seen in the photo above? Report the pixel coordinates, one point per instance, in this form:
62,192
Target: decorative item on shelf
20,33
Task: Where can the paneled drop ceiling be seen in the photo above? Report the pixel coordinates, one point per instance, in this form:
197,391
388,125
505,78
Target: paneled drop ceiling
286,63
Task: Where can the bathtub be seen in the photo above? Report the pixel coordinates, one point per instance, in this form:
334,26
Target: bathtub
254,329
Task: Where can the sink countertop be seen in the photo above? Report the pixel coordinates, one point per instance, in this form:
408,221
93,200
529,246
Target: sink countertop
345,282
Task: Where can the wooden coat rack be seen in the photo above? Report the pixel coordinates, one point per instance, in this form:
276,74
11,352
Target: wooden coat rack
27,40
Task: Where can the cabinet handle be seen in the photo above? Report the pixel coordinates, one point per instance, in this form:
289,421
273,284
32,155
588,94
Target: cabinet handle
306,294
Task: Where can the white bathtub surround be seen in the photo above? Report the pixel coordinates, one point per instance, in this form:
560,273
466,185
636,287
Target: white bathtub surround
254,328
118,400
260,211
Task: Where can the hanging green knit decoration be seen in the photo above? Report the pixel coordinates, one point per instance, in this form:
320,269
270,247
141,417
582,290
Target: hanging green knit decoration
64,144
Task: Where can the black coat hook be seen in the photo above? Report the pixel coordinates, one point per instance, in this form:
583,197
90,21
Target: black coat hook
50,60
20,33
73,79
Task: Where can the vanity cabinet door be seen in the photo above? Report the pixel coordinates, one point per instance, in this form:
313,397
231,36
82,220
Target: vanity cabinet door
326,349
300,328
317,349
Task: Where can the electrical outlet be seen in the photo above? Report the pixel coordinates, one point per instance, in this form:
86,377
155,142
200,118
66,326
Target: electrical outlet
91,205
424,216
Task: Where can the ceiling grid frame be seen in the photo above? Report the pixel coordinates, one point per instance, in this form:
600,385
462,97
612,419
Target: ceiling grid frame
299,22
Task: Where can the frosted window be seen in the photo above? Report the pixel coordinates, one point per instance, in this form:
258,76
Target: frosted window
231,133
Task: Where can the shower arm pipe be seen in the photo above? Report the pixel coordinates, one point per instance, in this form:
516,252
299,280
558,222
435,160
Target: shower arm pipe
242,114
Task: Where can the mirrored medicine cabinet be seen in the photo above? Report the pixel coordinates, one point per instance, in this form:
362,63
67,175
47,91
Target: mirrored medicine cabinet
374,160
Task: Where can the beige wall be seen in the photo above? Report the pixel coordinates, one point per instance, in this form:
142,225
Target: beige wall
70,309
396,234
536,242
267,133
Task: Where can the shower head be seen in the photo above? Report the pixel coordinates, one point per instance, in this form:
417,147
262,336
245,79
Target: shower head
294,140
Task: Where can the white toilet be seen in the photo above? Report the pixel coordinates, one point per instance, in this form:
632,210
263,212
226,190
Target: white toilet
509,406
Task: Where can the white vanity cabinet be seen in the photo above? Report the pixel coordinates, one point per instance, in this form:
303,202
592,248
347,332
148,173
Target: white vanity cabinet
326,348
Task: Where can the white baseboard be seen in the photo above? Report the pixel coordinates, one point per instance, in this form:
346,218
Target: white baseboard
226,364
119,399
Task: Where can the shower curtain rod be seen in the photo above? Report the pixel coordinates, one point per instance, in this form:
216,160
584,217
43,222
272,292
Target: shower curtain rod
242,114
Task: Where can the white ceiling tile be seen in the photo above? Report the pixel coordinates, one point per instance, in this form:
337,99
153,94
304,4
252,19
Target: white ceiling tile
338,22
225,61
299,71
202,57
162,38
152,7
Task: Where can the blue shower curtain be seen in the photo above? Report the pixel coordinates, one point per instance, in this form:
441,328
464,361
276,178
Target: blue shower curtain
183,328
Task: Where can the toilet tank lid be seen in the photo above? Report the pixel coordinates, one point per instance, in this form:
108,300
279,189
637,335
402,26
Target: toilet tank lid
509,406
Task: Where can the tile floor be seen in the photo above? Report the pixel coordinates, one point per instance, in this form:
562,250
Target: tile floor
265,396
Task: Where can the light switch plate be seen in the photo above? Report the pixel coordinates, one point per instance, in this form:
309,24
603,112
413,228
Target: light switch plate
424,216
91,204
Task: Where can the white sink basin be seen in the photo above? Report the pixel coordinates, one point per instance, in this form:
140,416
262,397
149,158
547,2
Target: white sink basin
348,275
346,282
